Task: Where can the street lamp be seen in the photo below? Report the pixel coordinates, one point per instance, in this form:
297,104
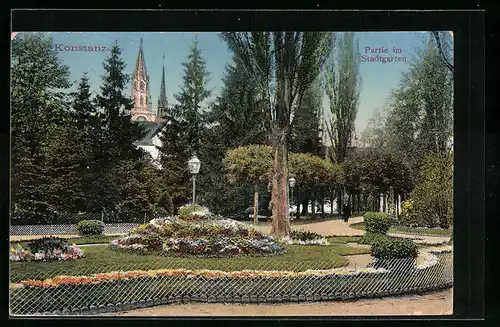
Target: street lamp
291,182
194,168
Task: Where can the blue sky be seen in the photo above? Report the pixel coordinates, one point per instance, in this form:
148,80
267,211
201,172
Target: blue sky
377,78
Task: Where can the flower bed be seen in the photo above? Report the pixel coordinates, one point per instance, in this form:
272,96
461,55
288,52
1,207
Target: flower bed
305,238
211,274
46,249
428,259
209,238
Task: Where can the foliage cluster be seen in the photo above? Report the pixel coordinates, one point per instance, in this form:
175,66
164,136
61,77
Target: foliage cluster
432,198
393,248
377,222
90,228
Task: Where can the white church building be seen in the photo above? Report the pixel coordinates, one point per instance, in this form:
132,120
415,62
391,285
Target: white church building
143,112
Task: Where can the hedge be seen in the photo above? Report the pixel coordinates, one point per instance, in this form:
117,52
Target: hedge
377,222
393,248
90,228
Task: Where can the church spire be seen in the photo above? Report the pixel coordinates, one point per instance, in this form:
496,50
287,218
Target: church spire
140,89
162,100
140,66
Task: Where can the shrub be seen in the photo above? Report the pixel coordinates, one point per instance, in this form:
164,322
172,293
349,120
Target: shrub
393,248
90,228
377,222
370,238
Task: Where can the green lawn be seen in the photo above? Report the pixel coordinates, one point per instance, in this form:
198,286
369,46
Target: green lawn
102,259
360,225
410,230
343,239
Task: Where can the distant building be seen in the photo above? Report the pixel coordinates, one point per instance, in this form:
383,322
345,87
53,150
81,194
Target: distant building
151,141
142,111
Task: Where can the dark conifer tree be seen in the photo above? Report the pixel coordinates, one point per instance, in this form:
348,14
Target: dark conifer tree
119,132
38,103
182,136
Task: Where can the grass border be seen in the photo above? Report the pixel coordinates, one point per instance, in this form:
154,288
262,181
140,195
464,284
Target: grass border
417,231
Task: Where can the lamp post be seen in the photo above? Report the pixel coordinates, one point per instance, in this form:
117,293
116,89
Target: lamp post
291,182
194,168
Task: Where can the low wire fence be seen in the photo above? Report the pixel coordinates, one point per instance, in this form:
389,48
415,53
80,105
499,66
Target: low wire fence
65,224
110,228
95,290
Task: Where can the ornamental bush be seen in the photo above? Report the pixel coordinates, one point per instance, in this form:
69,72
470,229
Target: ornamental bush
370,238
90,228
393,248
377,222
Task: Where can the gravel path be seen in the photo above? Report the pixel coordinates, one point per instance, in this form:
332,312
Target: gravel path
437,303
422,239
339,228
330,227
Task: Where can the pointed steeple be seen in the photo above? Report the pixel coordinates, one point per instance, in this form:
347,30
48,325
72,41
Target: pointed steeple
162,100
140,89
140,65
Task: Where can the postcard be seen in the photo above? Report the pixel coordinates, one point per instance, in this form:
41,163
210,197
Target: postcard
231,173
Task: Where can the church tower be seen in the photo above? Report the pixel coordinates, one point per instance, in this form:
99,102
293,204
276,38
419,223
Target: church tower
162,100
140,91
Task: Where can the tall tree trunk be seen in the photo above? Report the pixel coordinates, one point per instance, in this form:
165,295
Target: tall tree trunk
384,203
365,202
256,204
339,201
297,210
298,201
396,203
322,206
281,220
350,201
305,206
332,198
313,207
